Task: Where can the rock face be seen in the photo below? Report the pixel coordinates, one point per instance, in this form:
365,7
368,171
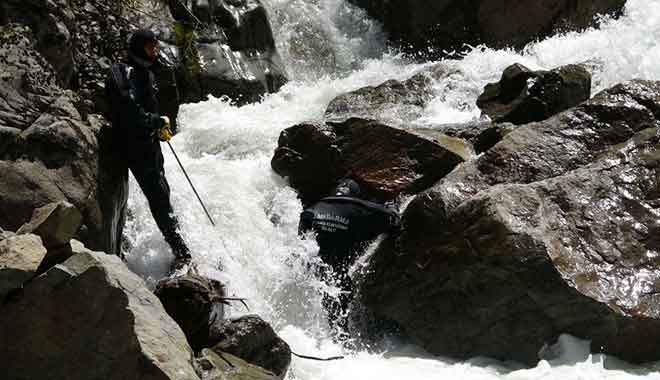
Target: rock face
385,161
93,309
253,340
523,96
20,257
53,25
223,366
232,53
431,27
543,234
48,149
195,303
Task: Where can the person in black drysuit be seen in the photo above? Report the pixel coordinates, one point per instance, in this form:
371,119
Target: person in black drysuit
132,142
344,225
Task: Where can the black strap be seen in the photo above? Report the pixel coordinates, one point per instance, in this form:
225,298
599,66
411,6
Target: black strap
120,75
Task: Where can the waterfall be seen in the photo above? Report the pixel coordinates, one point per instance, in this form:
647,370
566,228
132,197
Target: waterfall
331,47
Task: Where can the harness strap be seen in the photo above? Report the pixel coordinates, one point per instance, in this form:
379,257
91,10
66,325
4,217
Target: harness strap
120,75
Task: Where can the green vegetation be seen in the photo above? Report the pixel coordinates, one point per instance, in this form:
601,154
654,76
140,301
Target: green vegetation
185,38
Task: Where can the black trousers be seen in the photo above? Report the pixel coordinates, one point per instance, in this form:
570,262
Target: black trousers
145,161
340,260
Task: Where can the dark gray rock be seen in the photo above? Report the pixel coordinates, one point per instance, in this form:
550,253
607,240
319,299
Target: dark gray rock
196,303
490,136
221,366
253,340
523,95
438,27
54,27
392,101
385,161
564,142
112,324
543,234
226,48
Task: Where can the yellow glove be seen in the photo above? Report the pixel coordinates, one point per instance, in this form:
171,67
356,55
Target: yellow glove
165,132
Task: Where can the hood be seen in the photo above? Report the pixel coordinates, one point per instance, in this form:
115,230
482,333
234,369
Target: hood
136,46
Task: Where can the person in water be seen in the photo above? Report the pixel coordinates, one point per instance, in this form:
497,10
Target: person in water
344,225
133,142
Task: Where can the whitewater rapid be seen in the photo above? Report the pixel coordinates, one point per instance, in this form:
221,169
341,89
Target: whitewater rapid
329,48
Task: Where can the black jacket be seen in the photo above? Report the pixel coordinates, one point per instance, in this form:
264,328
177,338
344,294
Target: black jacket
133,106
345,225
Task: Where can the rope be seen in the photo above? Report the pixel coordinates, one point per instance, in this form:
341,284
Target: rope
317,358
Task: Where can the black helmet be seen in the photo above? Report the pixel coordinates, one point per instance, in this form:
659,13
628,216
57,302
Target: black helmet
347,188
136,44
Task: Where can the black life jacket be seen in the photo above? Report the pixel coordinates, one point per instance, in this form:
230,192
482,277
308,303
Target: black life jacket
128,87
344,225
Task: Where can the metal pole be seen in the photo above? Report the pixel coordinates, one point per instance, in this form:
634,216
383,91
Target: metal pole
191,184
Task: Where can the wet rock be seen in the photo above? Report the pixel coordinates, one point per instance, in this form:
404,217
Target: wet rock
20,257
541,235
53,149
490,136
226,48
392,101
222,366
93,309
437,28
55,223
564,142
253,340
195,303
523,95
385,161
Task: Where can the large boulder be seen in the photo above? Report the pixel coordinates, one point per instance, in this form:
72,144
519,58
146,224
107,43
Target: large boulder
523,96
223,366
50,152
564,142
20,257
226,49
253,340
91,318
437,27
195,303
543,234
386,161
390,102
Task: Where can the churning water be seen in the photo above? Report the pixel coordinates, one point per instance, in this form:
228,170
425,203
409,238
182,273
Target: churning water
330,48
